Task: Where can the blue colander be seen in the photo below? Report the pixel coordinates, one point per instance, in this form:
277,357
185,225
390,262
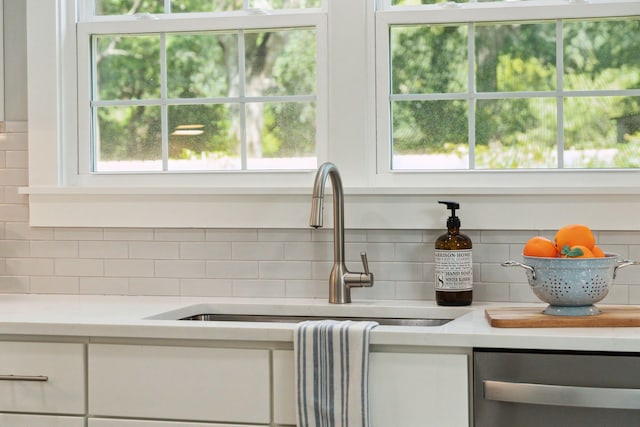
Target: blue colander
571,286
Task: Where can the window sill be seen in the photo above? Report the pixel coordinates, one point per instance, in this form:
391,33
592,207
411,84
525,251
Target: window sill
365,208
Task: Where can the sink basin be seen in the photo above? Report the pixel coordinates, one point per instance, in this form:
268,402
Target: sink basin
388,321
385,314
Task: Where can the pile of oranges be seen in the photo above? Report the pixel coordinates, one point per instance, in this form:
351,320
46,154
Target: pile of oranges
571,241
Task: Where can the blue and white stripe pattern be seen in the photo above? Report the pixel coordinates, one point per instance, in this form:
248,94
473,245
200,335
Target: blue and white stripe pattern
332,373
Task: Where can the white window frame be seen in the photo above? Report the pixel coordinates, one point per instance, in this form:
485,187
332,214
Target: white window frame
177,23
376,198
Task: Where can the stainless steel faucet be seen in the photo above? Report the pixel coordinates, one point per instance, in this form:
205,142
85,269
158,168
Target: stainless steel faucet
341,280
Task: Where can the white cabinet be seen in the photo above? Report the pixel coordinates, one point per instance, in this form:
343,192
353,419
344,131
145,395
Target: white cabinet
405,389
42,378
179,383
14,420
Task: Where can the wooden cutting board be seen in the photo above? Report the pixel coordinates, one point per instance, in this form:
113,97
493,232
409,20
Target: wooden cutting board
532,317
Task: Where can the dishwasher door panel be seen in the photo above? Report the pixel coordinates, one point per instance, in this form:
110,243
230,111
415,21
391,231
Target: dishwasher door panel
527,389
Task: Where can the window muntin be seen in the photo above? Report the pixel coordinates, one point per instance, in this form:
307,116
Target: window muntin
200,98
570,114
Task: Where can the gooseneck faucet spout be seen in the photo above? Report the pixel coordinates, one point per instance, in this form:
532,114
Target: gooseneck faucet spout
341,279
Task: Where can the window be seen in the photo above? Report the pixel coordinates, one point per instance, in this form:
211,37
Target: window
522,93
412,101
170,91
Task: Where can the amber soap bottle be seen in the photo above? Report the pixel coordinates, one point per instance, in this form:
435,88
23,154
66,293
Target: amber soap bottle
453,263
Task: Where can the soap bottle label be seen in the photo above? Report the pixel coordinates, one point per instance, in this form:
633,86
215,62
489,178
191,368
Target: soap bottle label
454,270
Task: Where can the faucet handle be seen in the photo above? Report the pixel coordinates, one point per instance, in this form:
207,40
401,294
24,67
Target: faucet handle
365,263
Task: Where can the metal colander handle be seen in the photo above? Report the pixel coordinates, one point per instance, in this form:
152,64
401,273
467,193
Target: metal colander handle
519,264
623,264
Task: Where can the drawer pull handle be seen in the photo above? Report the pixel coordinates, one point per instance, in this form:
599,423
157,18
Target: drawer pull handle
40,378
559,395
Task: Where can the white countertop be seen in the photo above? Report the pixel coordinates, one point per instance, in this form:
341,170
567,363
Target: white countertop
146,317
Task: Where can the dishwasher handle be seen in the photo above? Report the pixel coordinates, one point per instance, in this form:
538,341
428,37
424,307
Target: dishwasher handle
562,395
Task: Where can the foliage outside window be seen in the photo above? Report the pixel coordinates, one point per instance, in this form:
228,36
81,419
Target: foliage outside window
204,99
515,94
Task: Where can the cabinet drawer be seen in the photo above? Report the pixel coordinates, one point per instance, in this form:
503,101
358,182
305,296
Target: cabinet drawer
14,420
182,383
110,422
42,377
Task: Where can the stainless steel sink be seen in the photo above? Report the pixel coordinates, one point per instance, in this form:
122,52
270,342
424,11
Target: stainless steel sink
387,321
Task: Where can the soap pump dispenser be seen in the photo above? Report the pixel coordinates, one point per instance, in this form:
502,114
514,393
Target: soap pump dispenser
453,263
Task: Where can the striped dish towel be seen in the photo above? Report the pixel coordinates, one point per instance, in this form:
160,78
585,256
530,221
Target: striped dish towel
331,373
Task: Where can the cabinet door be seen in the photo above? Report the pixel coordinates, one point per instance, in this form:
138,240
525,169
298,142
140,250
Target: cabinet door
179,383
419,389
42,377
14,420
405,389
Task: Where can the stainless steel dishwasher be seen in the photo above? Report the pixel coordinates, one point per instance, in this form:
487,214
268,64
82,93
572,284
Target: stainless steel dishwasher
556,389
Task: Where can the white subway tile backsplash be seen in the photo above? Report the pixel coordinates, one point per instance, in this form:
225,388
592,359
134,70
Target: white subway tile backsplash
259,288
490,291
385,290
232,235
103,249
79,267
232,269
490,252
206,287
205,250
104,285
22,231
375,252
154,250
418,252
79,234
128,234
129,268
395,271
285,270
15,284
180,268
154,286
14,177
309,251
55,285
53,249
307,288
393,236
12,195
16,159
257,250
14,249
179,234
415,290
14,213
29,267
619,237
280,235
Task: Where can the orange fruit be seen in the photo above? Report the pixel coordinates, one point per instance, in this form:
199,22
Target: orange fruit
576,251
540,246
597,252
573,235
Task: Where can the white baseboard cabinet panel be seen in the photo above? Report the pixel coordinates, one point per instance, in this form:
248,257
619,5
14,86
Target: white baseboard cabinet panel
195,384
